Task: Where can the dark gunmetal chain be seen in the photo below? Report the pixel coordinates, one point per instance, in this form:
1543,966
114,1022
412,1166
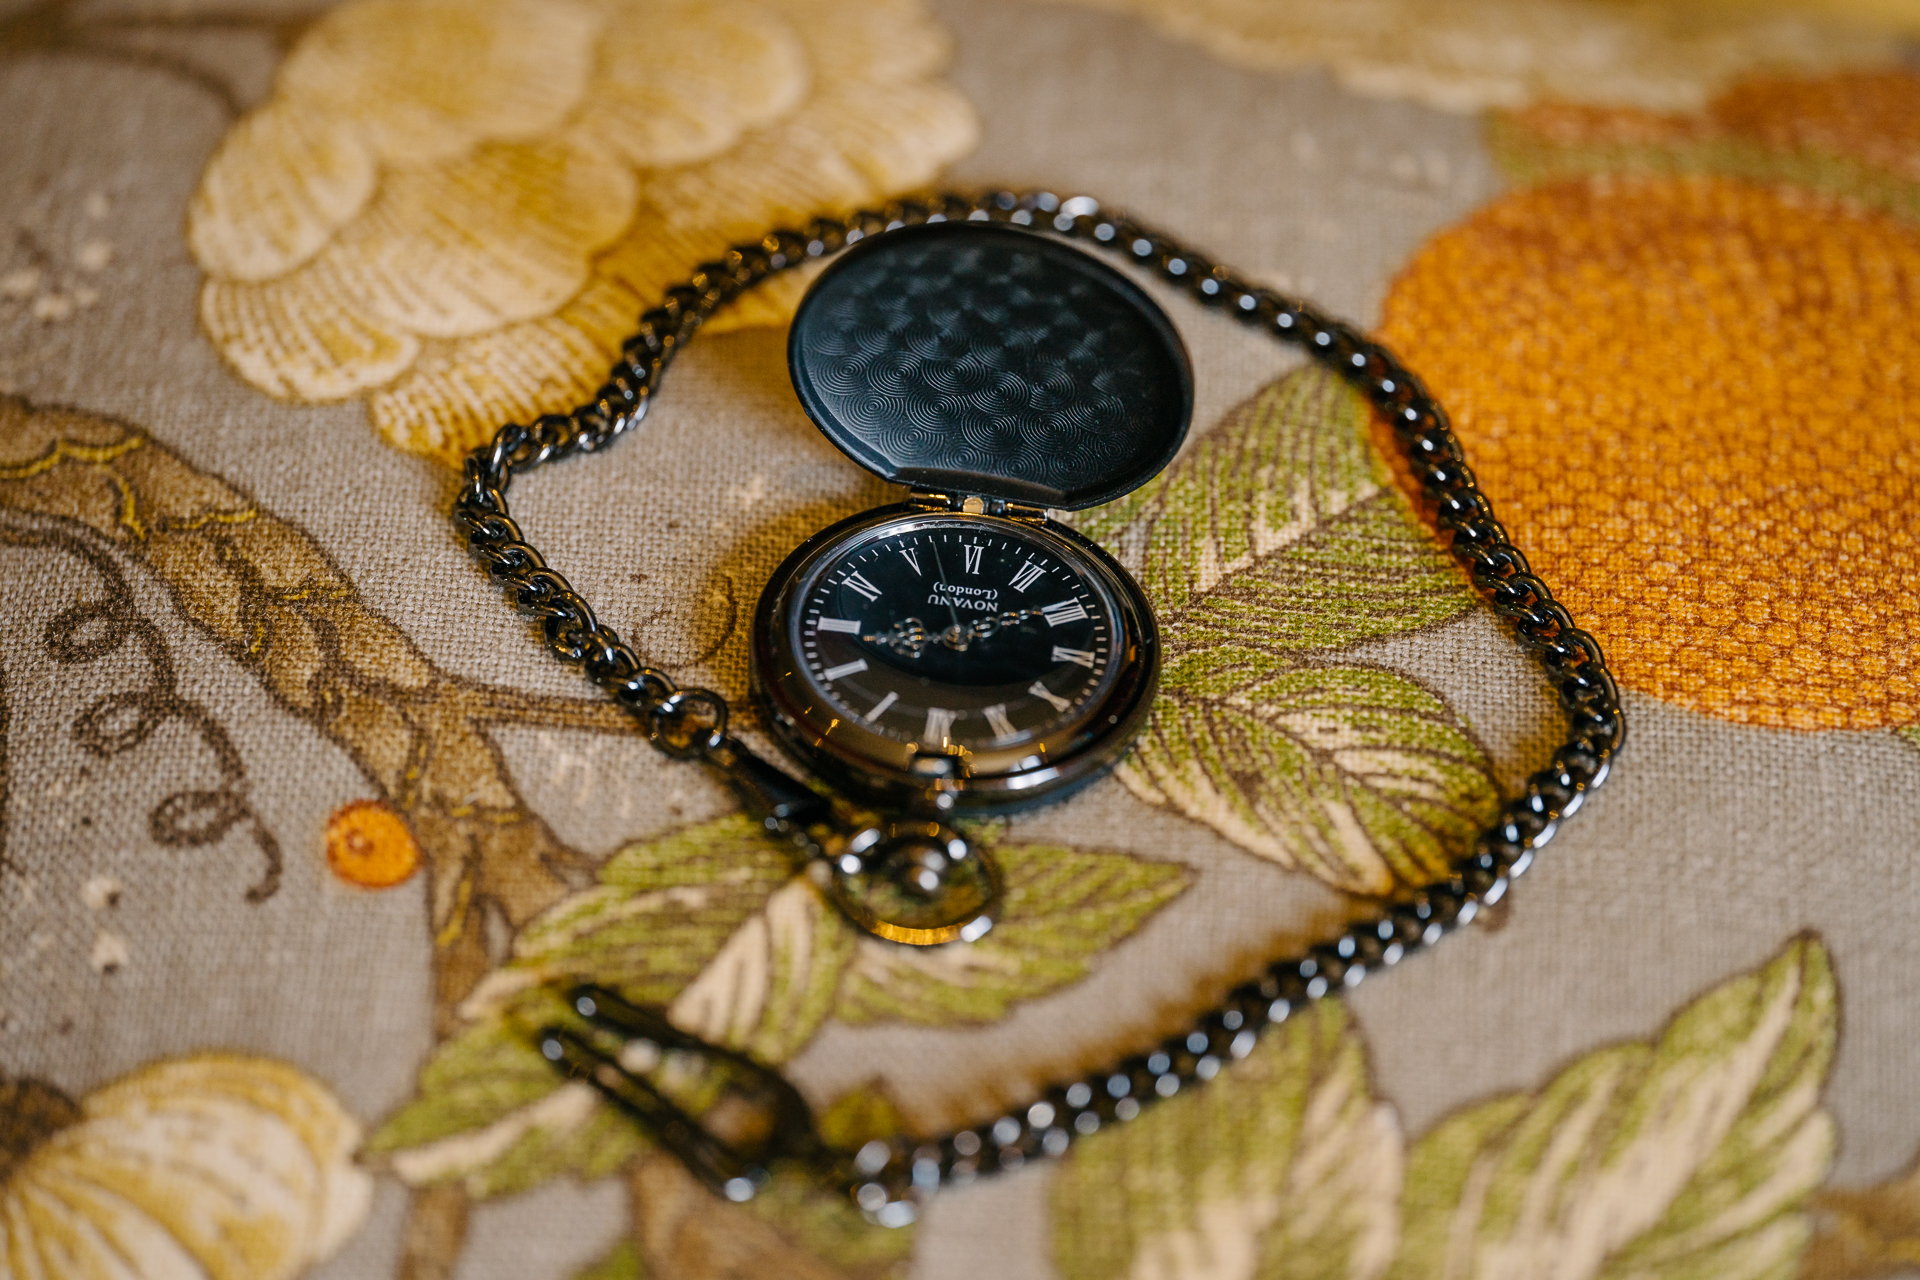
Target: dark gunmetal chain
887,1179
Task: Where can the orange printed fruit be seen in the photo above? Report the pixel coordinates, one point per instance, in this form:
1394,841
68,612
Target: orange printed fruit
369,845
1696,403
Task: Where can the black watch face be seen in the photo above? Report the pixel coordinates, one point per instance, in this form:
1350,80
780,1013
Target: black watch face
950,633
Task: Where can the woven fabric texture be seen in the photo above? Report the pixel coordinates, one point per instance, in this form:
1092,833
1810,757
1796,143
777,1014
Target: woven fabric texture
301,826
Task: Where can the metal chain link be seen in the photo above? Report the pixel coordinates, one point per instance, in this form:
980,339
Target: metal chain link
887,1179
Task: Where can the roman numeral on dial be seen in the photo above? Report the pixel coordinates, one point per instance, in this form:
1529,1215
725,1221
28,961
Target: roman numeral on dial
1048,696
939,726
1028,575
855,667
912,557
1063,654
1065,611
997,719
973,556
850,626
861,585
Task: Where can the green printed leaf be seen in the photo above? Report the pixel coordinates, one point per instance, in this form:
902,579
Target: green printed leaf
1281,535
472,1080
714,924
824,1222
662,911
1358,775
794,1229
493,1114
622,1263
1281,530
1691,1157
1282,1168
858,1117
1063,907
774,982
1912,734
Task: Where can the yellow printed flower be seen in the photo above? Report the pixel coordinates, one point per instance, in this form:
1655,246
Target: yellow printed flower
1465,55
210,1166
456,208
1690,381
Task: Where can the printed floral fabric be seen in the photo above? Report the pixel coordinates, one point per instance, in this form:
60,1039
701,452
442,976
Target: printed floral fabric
1273,546
458,209
212,1165
304,840
1694,1152
1466,55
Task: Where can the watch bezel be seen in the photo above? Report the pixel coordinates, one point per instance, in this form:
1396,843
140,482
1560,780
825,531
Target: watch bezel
849,756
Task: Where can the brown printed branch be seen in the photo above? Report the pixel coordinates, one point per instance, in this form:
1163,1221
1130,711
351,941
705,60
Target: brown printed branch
268,595
278,606
1865,1235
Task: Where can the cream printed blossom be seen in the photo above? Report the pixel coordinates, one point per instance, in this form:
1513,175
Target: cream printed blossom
456,208
215,1165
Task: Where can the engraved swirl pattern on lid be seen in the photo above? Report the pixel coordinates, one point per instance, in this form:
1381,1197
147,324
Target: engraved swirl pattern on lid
991,361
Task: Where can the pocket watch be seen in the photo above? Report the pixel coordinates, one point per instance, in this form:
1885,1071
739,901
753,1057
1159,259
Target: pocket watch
964,651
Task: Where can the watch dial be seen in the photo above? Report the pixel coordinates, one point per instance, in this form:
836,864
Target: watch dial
969,634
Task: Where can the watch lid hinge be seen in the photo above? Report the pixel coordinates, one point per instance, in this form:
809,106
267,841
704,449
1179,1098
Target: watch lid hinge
974,504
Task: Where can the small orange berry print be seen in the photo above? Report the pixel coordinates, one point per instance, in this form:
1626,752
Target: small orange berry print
1696,403
369,845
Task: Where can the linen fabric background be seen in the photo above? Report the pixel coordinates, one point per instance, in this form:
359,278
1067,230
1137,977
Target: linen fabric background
302,827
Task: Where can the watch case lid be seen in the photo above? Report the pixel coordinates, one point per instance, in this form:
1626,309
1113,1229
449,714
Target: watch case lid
978,358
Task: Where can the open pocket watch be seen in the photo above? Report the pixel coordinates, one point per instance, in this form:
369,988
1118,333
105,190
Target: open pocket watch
961,651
